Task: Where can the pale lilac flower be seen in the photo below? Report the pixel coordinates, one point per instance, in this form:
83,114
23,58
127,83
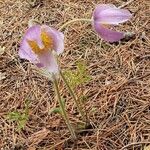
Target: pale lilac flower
39,44
108,14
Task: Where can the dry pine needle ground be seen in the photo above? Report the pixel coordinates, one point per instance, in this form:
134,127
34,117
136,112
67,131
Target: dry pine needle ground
118,94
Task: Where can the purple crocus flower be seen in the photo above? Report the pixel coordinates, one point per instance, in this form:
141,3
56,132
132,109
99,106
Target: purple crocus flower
108,14
39,44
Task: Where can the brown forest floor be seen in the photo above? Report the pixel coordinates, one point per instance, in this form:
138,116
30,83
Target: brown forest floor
119,111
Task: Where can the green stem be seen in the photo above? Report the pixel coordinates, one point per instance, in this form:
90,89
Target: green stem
73,21
63,112
74,97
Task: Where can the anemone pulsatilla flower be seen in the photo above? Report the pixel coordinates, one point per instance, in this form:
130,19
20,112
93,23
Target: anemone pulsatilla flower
39,45
106,15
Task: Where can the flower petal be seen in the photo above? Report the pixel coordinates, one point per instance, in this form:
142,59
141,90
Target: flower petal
49,62
33,40
39,65
101,7
34,34
112,15
25,51
57,36
107,34
115,16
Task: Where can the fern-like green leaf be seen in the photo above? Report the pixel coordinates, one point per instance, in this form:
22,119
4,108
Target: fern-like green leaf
78,76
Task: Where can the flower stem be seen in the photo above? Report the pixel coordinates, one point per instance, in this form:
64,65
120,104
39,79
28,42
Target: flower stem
73,21
63,112
74,97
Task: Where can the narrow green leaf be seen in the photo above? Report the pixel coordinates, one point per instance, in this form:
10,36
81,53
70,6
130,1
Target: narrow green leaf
55,110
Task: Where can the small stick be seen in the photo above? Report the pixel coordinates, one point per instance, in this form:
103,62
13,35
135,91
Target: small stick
127,3
132,144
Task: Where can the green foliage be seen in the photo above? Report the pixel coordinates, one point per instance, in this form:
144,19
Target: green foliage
57,109
93,110
79,76
54,110
20,118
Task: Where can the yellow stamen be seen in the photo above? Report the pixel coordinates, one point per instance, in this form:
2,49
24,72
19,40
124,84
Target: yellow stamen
47,43
47,40
34,46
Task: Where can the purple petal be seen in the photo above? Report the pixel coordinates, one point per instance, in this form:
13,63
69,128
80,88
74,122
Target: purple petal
49,62
114,16
39,65
109,14
101,7
45,58
107,34
34,34
25,51
57,36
